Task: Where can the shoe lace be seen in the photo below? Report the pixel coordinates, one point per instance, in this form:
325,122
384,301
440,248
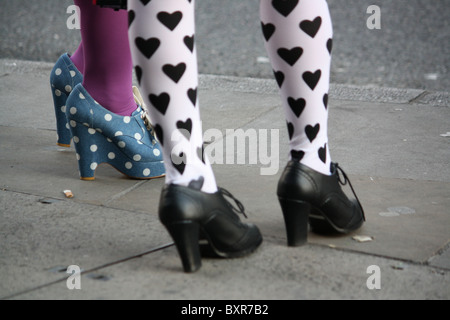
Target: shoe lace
240,207
344,180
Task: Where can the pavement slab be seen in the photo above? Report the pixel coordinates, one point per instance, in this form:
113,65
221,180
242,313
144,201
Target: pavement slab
393,144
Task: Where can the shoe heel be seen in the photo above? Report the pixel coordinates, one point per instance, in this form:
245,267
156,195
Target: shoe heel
88,145
63,78
62,128
186,237
296,215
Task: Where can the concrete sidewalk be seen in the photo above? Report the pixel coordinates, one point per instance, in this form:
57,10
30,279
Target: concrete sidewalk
394,144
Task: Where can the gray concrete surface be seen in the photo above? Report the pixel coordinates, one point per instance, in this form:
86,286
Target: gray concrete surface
394,144
411,50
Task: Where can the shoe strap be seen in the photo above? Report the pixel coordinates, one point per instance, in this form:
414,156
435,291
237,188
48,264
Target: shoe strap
145,116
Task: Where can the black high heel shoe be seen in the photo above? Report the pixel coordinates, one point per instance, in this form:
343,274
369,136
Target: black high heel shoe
306,195
188,213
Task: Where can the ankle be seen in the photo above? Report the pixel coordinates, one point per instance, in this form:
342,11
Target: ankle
78,62
312,162
120,102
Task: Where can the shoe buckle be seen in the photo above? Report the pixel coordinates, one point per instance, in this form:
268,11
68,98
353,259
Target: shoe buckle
144,114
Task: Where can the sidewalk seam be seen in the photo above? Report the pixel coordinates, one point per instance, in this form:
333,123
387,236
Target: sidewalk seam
419,97
338,91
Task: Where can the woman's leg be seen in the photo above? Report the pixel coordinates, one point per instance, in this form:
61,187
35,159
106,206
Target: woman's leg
78,58
108,67
162,41
298,38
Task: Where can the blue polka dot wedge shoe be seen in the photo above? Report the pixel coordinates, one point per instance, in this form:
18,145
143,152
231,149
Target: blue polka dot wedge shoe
127,143
63,78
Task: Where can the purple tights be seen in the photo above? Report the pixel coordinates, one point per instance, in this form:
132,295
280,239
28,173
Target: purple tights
104,57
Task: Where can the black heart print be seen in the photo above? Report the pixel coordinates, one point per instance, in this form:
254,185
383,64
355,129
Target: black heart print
268,30
147,47
297,106
312,132
325,100
291,56
161,102
189,42
279,76
174,72
322,152
311,27
291,130
192,94
131,16
201,154
138,71
159,133
312,79
185,128
197,184
179,162
285,7
297,155
330,45
170,20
